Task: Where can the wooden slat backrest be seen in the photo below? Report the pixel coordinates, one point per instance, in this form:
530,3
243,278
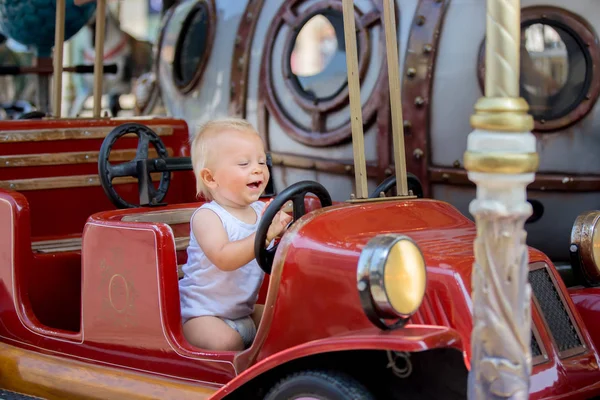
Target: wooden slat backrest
54,163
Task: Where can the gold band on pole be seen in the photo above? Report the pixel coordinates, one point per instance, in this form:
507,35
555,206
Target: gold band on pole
396,102
99,58
59,40
358,141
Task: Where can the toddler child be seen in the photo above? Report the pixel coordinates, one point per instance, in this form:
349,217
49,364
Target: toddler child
221,277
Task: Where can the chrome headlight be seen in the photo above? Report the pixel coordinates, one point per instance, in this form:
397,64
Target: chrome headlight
391,279
585,245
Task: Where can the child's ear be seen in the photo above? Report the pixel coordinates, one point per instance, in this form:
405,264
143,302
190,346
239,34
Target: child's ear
207,177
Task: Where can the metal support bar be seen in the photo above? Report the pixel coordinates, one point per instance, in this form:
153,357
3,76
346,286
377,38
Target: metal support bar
358,140
59,40
99,58
396,102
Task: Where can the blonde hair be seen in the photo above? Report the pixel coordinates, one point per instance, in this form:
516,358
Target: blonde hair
200,146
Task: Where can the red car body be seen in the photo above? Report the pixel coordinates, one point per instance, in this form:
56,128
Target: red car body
101,319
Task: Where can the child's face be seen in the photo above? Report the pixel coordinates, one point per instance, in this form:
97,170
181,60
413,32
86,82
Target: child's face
239,168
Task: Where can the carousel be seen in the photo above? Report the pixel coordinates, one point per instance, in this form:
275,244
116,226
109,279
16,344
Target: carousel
378,289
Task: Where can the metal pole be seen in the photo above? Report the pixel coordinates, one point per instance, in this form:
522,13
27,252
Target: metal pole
59,40
396,102
501,159
358,140
99,59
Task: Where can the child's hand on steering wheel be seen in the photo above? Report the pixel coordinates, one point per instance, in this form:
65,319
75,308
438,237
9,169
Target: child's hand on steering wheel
278,225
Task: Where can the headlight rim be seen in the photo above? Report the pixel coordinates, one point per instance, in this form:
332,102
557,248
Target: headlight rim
582,246
370,274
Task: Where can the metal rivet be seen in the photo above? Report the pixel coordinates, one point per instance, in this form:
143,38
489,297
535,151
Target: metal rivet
445,177
420,20
587,97
407,124
6,162
362,286
12,186
411,72
348,168
456,164
419,101
87,157
388,171
238,40
427,49
418,153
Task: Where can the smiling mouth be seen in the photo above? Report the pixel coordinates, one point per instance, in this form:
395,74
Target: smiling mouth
254,185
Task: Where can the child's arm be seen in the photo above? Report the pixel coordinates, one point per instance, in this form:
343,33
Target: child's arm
226,255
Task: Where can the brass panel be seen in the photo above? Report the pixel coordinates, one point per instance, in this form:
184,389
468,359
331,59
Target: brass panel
62,182
79,157
70,134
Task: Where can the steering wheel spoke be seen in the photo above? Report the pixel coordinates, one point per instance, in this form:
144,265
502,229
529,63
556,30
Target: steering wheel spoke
296,193
298,202
142,148
123,169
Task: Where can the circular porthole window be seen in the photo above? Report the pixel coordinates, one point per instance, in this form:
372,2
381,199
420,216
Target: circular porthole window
557,67
304,85
193,46
318,57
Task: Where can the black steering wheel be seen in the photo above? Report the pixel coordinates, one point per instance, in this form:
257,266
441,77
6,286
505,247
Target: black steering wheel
140,167
414,184
296,192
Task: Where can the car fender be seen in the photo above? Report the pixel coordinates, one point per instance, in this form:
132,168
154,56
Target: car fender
411,338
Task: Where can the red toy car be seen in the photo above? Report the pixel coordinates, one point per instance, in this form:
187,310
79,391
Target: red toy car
99,316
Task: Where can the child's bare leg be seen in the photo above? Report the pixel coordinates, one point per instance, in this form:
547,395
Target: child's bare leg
212,333
257,314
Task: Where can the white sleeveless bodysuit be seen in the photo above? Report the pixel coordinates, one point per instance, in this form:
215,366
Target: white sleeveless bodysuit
207,290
